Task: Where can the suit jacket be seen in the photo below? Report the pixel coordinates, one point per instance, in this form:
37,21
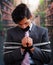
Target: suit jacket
39,35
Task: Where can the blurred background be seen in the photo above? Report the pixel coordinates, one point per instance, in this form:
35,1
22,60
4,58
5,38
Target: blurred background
42,12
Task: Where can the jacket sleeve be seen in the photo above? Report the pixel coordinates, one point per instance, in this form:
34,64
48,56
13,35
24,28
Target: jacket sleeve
41,53
9,36
11,56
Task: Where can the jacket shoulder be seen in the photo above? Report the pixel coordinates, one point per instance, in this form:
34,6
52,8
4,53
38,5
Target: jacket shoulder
43,29
12,29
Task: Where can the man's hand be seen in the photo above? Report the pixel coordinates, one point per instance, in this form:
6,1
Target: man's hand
26,40
29,41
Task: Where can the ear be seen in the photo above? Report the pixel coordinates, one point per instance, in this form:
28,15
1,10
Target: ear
31,17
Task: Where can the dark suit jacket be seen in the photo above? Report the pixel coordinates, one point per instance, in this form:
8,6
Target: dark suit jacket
39,35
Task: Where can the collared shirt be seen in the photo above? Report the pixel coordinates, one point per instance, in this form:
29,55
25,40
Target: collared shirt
30,26
31,61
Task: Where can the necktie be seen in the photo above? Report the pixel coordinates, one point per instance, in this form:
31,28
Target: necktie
26,60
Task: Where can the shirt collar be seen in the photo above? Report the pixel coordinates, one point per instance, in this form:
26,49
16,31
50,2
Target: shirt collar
30,27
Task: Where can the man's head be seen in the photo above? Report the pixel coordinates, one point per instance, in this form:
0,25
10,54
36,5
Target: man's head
21,15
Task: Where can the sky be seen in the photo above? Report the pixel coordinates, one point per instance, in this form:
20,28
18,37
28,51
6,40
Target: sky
32,4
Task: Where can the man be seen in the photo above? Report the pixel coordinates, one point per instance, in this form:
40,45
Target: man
22,17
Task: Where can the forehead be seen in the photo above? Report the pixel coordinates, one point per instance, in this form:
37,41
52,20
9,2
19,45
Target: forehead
25,20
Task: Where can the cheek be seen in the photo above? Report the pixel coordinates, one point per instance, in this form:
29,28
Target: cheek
27,24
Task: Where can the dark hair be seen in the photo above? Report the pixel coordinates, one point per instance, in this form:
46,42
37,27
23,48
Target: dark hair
21,11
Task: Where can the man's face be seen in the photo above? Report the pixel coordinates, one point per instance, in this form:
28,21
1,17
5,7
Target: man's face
24,23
